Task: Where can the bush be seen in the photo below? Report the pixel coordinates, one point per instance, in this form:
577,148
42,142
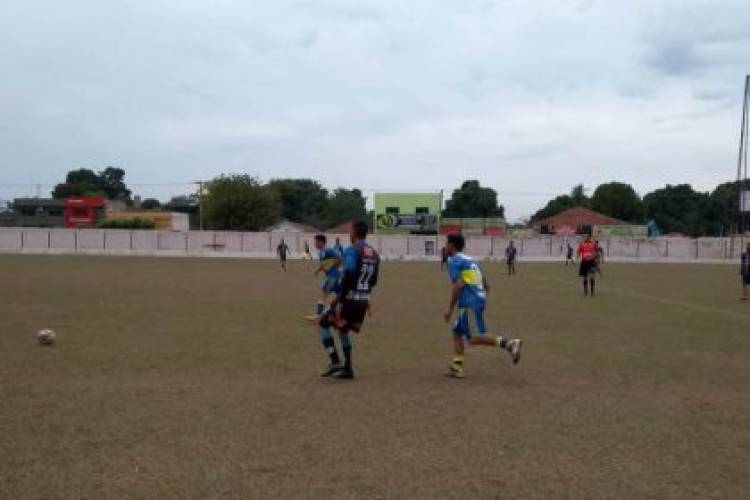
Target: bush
134,223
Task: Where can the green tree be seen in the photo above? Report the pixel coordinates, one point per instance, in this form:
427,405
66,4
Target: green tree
344,205
302,200
240,203
576,198
473,200
79,182
678,209
151,204
110,182
723,215
618,200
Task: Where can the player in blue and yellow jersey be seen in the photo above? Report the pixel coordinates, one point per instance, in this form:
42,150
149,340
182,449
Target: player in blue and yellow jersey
361,264
330,262
469,293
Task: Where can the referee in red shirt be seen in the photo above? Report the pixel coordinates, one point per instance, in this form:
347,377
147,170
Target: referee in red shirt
587,253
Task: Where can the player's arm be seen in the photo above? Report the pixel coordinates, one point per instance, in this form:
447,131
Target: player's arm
485,284
350,277
455,294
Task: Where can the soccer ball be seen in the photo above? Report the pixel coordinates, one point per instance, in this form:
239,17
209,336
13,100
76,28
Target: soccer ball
46,336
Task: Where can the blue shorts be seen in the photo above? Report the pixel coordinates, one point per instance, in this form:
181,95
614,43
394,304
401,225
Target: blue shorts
330,284
462,325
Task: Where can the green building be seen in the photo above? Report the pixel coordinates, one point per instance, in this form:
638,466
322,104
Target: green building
407,213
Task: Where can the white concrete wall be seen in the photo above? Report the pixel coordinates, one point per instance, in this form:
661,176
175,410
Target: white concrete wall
263,245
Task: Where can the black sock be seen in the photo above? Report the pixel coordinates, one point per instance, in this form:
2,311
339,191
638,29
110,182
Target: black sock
585,286
592,286
346,347
330,347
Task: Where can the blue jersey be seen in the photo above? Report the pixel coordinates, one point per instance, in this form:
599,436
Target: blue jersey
464,268
329,259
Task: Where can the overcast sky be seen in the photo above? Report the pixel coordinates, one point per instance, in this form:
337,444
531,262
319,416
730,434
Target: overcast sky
529,97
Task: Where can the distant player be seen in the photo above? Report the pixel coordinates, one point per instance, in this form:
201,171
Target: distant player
443,258
361,265
599,258
587,254
568,253
330,261
510,258
469,293
745,273
282,250
307,251
338,248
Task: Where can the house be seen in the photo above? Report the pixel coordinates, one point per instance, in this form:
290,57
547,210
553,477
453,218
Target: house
287,226
576,220
34,212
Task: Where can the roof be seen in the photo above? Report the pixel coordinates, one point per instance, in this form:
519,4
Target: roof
342,228
579,216
38,202
287,226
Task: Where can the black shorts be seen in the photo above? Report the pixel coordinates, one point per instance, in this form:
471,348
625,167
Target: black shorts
351,313
746,279
587,267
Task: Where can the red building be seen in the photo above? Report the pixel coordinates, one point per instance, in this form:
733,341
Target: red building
84,211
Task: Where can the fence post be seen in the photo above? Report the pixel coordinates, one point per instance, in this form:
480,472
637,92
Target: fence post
520,253
637,249
186,243
104,240
49,239
76,240
131,240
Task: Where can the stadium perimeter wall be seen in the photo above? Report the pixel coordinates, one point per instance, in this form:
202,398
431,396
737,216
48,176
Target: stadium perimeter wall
403,247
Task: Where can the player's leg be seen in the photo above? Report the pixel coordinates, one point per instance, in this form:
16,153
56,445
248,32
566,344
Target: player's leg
592,284
513,346
583,273
329,345
352,316
460,333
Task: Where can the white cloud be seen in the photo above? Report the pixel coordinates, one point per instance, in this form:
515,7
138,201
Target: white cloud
529,97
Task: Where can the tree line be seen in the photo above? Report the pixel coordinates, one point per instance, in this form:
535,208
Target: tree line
674,208
243,202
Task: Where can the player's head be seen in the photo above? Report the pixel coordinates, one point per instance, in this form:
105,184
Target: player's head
320,241
511,243
455,243
359,231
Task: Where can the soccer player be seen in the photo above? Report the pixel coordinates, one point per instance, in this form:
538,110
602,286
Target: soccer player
281,250
443,258
307,251
587,254
361,265
510,258
569,254
599,258
338,248
329,265
469,293
745,273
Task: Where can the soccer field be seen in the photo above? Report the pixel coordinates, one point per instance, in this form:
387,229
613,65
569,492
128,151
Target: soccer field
198,379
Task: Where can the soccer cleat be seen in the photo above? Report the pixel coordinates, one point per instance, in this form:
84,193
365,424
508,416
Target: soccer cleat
514,348
343,374
455,370
312,318
332,370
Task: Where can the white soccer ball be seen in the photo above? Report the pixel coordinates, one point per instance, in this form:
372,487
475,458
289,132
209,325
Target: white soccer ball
46,336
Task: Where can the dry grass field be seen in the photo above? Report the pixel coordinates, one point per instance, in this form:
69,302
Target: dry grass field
197,379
